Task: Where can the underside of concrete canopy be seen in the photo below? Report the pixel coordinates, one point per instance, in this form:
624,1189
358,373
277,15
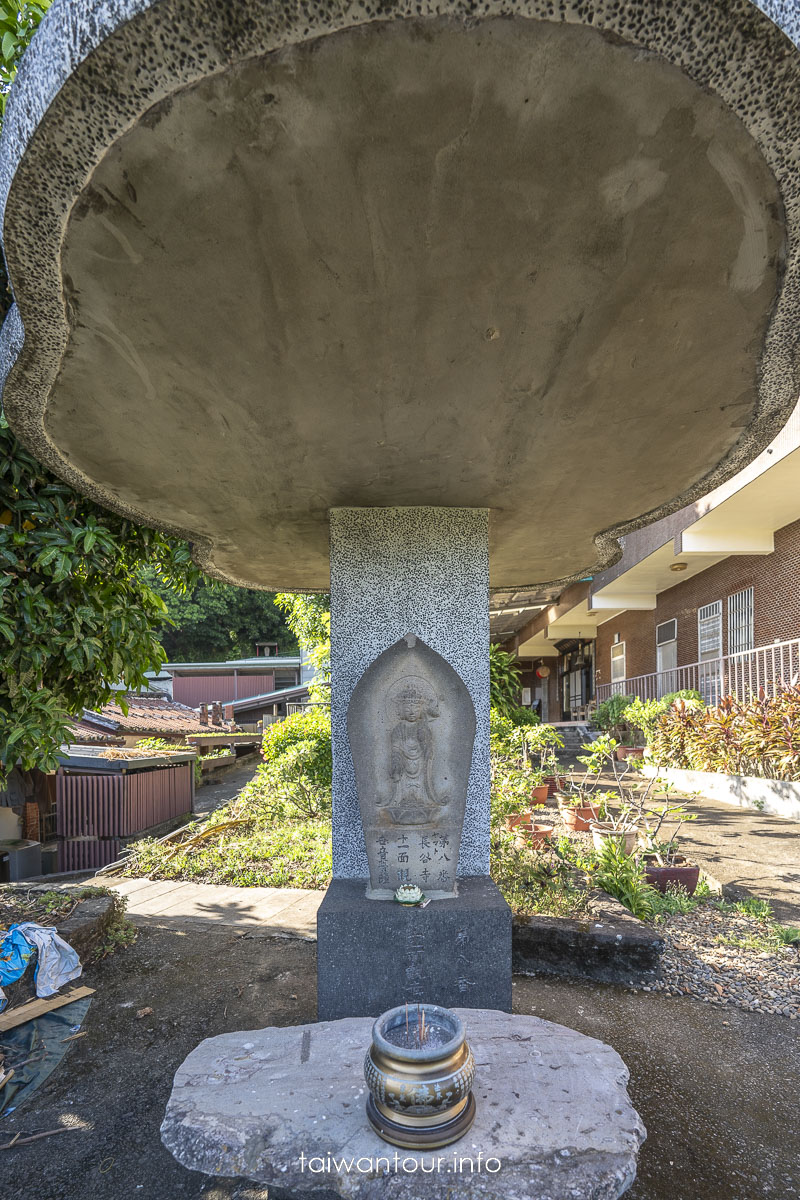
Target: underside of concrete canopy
267,262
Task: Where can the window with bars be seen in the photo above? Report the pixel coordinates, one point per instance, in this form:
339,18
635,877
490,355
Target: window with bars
741,632
709,631
617,666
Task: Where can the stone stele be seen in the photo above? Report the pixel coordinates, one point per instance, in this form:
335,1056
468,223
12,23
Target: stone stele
552,1111
411,726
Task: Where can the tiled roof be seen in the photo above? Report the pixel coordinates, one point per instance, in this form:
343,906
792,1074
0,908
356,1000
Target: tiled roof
149,715
83,734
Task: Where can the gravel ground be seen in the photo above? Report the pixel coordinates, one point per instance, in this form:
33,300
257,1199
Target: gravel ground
695,964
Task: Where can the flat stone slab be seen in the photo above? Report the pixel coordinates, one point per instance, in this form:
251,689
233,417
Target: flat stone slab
285,1107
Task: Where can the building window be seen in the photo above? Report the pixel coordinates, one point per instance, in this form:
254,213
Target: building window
617,666
709,631
667,657
741,634
709,651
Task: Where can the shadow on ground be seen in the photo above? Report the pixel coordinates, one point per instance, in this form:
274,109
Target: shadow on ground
717,1090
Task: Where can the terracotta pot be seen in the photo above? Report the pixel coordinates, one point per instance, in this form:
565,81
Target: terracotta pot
535,836
623,752
540,794
580,818
604,830
555,783
681,872
518,819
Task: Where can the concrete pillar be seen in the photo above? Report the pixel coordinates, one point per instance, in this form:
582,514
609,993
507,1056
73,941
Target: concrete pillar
409,570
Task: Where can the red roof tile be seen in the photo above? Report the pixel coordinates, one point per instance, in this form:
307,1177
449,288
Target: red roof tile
150,715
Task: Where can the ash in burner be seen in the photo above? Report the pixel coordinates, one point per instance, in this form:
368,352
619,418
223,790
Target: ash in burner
416,1033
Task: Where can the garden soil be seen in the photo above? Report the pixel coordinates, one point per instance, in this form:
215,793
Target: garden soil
716,1089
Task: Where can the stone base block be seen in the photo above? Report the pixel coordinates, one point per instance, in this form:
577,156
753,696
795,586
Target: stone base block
375,954
286,1108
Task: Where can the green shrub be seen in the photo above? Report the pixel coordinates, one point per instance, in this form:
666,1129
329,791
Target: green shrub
312,728
609,716
758,736
504,685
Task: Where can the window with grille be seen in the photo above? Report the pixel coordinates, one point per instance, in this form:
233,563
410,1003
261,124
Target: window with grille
709,631
667,631
617,665
741,634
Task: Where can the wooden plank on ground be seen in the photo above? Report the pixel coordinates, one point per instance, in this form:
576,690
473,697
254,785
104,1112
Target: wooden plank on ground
36,1008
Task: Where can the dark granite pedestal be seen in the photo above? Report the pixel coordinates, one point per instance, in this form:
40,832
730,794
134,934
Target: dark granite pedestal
375,954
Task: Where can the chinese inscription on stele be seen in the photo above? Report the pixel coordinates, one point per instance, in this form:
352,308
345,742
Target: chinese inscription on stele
411,726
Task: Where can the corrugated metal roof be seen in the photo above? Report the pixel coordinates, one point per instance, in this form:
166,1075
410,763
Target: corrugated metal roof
269,697
262,663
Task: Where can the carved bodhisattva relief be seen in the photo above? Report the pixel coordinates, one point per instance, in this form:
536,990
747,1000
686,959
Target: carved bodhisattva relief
411,726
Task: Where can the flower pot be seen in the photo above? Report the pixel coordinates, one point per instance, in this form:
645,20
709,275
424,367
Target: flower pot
420,1091
539,794
579,819
516,819
603,830
623,752
555,784
680,872
533,835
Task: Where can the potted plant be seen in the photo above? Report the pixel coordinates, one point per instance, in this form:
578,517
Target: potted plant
663,865
540,791
610,717
532,835
576,814
615,828
539,745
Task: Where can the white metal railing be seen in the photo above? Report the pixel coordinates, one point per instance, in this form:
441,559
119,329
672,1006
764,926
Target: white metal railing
772,668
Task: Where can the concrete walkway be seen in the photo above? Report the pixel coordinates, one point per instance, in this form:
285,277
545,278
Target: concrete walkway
743,850
226,786
288,911
749,851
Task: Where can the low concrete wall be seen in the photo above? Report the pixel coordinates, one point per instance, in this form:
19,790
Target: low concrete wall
775,796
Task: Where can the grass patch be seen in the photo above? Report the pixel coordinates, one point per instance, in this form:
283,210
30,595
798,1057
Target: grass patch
534,883
261,839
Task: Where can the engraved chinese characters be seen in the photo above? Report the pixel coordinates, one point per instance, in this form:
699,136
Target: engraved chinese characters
411,727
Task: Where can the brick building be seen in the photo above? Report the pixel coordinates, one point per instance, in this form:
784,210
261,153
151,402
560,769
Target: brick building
707,598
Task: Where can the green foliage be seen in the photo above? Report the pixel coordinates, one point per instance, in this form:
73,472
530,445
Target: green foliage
504,727
309,618
504,683
310,729
75,614
19,21
622,876
535,883
609,715
759,736
214,622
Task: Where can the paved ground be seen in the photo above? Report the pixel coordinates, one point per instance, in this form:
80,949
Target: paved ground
745,851
203,905
230,783
750,851
717,1090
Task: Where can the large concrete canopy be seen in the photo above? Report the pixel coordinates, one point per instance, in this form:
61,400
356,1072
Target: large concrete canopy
269,262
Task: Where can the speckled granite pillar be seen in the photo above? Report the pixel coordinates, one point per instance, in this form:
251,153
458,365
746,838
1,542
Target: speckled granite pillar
409,570
396,571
